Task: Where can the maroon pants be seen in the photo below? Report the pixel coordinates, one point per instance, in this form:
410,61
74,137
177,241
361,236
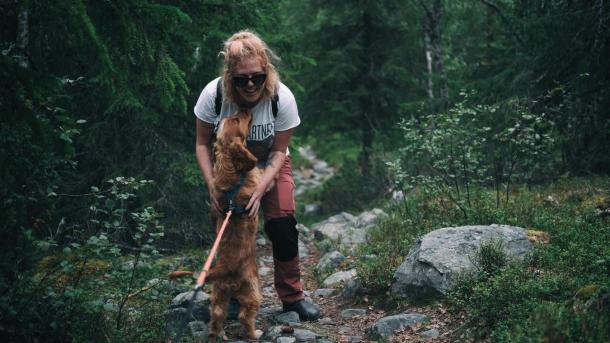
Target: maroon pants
280,224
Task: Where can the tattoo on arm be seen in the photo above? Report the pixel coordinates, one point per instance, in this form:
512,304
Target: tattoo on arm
274,158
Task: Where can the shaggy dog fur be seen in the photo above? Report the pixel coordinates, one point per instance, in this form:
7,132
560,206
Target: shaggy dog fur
235,273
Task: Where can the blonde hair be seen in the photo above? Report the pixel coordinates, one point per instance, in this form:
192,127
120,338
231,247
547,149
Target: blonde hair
246,44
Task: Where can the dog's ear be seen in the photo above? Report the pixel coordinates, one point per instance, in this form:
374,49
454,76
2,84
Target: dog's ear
242,159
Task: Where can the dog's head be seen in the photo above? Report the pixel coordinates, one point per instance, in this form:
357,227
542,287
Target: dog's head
231,141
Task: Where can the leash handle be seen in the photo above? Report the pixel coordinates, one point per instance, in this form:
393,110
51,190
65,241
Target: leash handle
208,262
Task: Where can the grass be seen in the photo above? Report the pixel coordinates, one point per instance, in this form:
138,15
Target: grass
534,300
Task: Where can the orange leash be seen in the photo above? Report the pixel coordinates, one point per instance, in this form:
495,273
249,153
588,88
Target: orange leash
208,262
201,278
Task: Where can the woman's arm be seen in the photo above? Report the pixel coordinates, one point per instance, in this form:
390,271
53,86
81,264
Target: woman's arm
203,151
274,164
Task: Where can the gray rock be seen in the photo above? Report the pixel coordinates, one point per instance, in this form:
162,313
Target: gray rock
370,218
437,258
176,314
273,333
312,209
263,271
431,334
182,299
351,288
325,321
321,167
303,251
352,312
287,318
330,261
304,231
286,340
261,242
345,330
345,229
388,326
198,326
324,292
303,335
339,277
354,339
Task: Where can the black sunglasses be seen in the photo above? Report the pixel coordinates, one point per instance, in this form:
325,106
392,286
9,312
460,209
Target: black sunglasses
242,81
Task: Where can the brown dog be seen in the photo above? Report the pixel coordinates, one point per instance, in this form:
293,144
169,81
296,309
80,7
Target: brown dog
235,273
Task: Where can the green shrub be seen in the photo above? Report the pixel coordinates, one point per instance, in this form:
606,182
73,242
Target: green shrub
92,283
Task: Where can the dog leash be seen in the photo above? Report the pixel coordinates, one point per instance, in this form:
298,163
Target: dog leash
202,276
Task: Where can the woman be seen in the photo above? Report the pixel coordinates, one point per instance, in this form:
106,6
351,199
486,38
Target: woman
251,81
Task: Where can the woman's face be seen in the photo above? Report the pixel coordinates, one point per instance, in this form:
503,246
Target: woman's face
249,67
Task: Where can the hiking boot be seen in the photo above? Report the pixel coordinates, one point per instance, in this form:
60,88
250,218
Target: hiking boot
233,311
305,310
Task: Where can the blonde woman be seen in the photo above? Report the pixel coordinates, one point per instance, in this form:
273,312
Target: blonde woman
250,81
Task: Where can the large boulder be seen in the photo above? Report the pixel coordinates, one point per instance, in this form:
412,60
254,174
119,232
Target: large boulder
347,230
438,257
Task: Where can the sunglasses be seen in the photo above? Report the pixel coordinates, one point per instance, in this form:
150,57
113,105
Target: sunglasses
242,81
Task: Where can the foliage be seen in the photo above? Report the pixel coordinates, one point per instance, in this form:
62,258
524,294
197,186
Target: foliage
508,300
91,278
350,189
452,153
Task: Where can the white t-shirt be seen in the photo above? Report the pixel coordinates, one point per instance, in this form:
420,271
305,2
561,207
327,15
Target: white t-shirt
263,128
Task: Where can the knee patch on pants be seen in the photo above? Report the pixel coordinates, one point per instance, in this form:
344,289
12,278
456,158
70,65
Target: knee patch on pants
284,237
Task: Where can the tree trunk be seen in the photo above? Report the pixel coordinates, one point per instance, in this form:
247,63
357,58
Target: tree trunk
367,103
433,46
23,34
428,52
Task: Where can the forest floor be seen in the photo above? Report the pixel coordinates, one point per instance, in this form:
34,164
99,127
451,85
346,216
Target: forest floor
334,327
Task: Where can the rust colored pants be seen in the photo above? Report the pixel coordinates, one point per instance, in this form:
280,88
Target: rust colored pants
280,225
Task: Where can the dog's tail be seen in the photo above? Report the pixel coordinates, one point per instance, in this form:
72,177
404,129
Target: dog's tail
178,274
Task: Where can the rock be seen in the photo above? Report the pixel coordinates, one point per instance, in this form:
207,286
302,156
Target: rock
263,271
197,327
182,299
273,333
339,277
351,288
303,251
368,219
325,321
431,334
286,340
304,231
261,242
388,326
330,261
352,312
354,339
324,292
287,318
312,209
176,314
320,166
438,257
303,335
345,229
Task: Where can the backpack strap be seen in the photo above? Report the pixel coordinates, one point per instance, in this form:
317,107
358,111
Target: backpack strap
218,100
275,99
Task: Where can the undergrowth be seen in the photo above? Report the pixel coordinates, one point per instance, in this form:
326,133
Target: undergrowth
560,293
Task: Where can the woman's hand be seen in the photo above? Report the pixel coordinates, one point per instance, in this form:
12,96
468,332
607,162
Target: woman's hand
255,200
215,207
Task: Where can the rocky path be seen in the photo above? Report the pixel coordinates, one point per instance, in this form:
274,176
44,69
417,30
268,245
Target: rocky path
347,315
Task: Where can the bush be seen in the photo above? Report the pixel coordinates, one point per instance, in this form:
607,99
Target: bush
92,282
